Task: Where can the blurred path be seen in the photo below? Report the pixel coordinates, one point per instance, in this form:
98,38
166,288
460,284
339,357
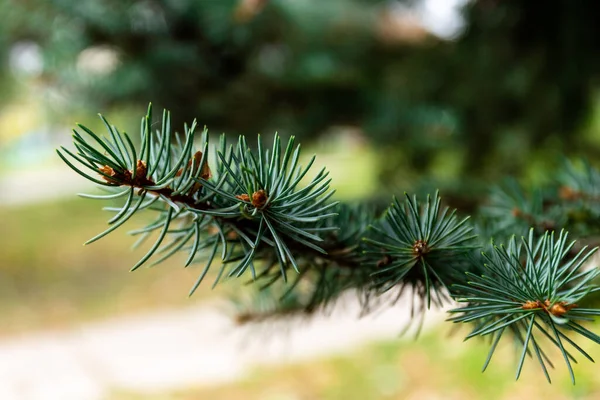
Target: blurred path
175,349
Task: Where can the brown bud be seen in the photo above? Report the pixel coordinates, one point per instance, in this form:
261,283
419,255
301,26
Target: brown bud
259,198
141,169
420,248
561,308
568,193
531,305
106,170
115,176
558,310
243,197
205,173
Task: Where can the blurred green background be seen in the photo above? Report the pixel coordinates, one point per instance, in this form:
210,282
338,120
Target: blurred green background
391,96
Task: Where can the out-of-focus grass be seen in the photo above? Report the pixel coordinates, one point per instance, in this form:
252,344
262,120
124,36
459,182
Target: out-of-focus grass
434,367
351,163
48,279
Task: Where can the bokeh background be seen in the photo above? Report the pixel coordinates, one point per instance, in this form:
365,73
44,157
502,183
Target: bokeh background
393,96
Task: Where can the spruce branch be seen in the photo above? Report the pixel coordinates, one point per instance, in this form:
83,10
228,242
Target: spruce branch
256,213
513,210
531,287
326,276
250,208
419,245
579,183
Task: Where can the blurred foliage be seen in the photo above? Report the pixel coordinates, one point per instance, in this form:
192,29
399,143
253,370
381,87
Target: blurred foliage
520,78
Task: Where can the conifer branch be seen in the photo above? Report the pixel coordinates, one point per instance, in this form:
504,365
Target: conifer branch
260,212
